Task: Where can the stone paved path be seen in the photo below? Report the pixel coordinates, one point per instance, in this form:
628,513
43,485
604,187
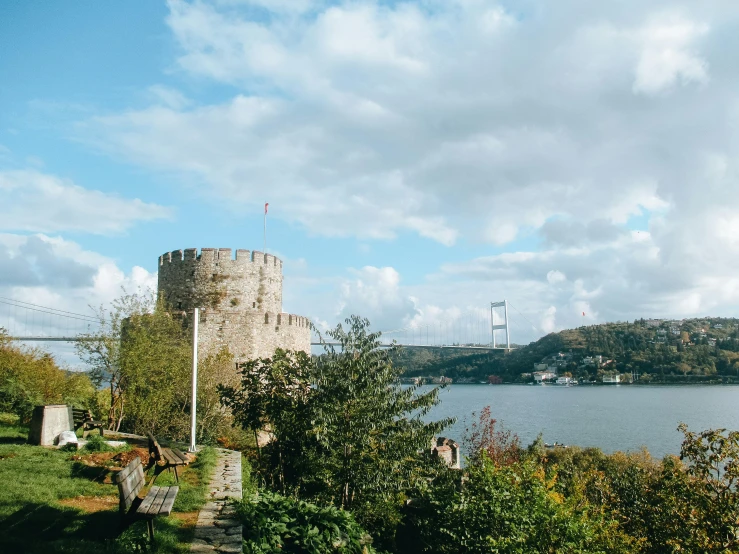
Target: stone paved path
217,529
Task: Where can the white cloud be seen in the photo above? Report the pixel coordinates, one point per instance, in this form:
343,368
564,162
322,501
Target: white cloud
51,272
169,97
606,131
548,320
374,292
555,277
668,56
368,120
38,202
280,6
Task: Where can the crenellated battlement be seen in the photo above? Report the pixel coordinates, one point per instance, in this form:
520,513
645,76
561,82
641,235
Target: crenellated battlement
220,256
283,318
240,297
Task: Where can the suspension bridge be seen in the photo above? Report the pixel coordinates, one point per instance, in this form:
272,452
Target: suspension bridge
485,328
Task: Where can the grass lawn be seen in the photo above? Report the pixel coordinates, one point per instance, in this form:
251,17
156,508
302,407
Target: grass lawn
55,501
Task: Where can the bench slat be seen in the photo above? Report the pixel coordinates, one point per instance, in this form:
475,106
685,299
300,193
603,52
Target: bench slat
175,457
171,458
181,455
158,501
128,500
164,458
166,508
131,485
130,480
148,501
126,471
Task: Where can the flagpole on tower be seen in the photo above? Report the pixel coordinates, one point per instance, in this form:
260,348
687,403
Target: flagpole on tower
266,205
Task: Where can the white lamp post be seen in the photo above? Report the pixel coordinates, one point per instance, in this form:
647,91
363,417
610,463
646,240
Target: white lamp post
193,415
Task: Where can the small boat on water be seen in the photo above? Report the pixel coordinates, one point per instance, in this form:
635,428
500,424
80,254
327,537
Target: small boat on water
554,445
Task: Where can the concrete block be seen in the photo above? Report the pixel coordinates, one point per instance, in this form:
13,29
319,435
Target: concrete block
48,422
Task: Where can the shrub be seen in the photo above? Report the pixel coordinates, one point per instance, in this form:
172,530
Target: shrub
505,509
30,377
96,443
276,524
500,445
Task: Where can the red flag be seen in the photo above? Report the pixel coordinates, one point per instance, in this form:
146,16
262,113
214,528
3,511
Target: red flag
266,205
583,314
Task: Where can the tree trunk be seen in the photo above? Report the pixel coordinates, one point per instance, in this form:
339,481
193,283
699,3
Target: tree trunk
111,410
120,414
259,449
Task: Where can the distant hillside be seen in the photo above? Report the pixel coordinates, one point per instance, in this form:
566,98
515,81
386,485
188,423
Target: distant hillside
658,350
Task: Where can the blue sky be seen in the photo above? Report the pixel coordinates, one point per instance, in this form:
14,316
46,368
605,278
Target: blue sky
421,159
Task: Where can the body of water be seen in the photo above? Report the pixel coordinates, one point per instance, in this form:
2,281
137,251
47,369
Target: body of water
610,417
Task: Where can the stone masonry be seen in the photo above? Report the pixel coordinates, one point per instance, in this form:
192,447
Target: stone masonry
218,529
240,301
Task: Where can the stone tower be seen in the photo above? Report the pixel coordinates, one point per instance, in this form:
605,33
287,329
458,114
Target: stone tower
240,301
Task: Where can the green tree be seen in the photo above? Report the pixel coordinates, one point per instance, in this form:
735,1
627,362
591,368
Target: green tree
705,499
504,509
370,427
31,377
345,431
214,370
273,394
144,354
101,350
155,373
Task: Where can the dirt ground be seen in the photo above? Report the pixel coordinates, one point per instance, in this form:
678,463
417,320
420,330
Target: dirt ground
112,460
188,519
91,504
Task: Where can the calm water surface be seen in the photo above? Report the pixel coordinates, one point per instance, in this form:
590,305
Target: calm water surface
611,418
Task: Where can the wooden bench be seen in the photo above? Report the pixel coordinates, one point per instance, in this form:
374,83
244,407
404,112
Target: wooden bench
157,502
165,458
83,418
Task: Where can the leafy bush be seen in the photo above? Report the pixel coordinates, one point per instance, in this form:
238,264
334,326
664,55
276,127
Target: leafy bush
30,377
96,443
504,509
344,430
16,399
143,352
500,445
276,524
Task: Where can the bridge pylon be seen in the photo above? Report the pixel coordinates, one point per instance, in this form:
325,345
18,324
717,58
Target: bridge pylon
501,326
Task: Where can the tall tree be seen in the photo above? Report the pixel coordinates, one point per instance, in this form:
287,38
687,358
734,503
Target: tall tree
345,430
369,425
100,350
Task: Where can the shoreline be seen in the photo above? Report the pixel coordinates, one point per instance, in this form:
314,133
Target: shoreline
607,385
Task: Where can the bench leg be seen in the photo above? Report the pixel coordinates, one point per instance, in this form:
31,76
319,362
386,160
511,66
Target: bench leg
85,432
176,476
150,525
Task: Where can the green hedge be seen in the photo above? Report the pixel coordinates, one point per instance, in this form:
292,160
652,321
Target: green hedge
274,523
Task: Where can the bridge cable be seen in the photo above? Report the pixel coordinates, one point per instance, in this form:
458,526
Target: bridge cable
46,309
82,318
534,327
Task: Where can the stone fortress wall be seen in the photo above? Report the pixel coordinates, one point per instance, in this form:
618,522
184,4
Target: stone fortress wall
240,301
